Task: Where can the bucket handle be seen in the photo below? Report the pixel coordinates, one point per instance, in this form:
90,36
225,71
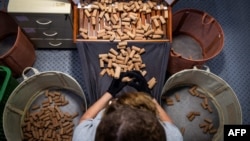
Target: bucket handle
35,71
202,67
15,110
204,17
173,53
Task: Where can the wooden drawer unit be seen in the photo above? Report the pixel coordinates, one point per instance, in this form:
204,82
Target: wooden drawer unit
113,20
48,24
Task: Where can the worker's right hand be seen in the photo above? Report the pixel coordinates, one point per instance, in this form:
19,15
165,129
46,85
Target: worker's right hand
116,85
138,81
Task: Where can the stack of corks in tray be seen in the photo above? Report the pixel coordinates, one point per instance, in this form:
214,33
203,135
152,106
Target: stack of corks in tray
133,20
46,121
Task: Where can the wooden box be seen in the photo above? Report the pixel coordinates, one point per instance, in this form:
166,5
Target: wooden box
113,20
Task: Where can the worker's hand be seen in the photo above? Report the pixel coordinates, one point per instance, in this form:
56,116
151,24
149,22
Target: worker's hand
138,82
116,85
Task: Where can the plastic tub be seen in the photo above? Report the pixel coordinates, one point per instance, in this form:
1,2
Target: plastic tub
7,85
197,38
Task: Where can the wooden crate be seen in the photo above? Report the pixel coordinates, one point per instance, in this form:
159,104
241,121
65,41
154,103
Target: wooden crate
104,20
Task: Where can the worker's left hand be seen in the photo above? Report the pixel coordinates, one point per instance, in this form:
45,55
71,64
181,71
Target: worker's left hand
116,85
138,82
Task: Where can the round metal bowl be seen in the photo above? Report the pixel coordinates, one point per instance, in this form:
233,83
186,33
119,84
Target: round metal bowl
31,91
223,102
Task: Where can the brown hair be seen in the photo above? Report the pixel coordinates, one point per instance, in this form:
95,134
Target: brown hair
139,100
123,123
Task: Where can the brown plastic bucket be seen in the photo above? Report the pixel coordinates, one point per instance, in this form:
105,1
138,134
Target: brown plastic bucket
197,38
16,50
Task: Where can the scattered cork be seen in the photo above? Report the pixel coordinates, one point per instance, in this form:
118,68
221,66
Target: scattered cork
208,120
196,113
35,107
191,118
177,97
207,126
191,115
201,96
203,105
152,82
213,131
126,79
182,130
124,59
169,101
209,109
192,90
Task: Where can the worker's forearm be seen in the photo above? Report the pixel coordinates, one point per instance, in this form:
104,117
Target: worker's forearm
162,113
93,110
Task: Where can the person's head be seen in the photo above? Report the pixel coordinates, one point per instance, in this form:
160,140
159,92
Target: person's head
139,100
123,123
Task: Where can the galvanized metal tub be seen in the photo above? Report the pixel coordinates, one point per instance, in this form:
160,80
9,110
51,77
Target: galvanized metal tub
30,91
222,99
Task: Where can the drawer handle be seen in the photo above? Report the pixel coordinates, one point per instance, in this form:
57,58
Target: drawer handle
50,34
43,21
55,45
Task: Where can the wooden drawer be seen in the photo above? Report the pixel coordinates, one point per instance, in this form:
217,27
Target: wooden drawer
145,21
